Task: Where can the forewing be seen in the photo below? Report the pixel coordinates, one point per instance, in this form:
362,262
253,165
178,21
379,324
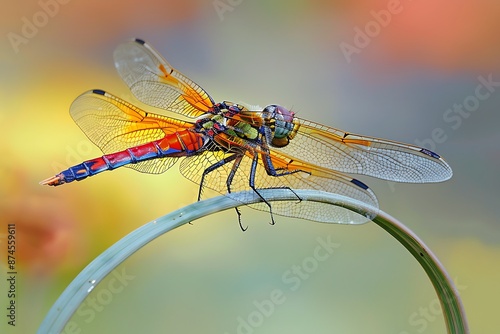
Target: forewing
349,153
153,81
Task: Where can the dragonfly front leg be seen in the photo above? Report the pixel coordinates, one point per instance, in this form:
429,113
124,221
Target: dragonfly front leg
272,171
266,157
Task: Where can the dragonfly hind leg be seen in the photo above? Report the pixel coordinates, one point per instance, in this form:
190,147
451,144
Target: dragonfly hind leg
210,169
237,159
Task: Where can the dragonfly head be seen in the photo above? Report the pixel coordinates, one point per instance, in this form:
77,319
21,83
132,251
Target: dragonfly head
281,123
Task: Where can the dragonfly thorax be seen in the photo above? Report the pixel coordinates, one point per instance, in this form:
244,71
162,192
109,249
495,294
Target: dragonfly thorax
281,123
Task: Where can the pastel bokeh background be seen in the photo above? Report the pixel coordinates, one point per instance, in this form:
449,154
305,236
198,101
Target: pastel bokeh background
392,69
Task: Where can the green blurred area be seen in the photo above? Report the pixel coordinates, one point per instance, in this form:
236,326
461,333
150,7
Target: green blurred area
209,276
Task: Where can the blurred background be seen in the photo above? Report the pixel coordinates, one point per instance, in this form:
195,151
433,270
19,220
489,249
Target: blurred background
423,72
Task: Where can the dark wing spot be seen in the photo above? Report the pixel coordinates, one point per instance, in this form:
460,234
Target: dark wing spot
359,184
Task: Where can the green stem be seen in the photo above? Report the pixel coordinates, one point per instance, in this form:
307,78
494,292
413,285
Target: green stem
453,310
94,273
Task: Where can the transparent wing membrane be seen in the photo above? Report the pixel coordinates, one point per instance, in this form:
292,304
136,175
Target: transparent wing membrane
334,149
155,82
115,125
328,181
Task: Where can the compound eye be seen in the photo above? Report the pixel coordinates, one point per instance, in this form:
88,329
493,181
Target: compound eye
285,114
270,109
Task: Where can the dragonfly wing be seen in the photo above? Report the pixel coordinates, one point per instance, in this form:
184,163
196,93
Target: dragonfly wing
153,81
321,180
349,153
115,125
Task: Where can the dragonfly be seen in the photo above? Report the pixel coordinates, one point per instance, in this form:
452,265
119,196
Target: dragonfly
231,147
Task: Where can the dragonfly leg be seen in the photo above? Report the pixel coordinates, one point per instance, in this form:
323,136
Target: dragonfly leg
267,161
252,185
237,158
212,168
272,171
229,181
239,220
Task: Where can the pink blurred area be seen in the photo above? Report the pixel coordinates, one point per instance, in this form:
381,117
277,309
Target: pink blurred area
448,35
46,234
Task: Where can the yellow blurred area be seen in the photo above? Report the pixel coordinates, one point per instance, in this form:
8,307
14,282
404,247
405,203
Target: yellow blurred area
344,64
